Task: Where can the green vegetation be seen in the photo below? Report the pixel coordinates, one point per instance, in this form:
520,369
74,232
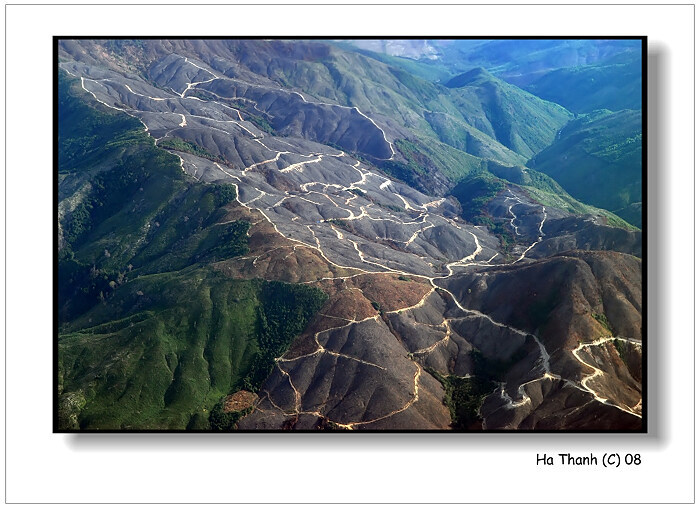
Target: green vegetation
631,213
151,334
503,231
167,347
184,232
603,319
613,84
357,191
137,176
546,191
87,135
565,202
339,222
78,224
325,424
464,397
418,161
390,207
404,172
620,348
260,122
524,61
543,189
225,421
622,351
286,309
598,160
478,189
461,135
222,242
518,120
160,350
82,286
427,156
177,144
474,192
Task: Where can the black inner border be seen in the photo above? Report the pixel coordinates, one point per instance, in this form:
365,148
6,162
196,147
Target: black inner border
645,210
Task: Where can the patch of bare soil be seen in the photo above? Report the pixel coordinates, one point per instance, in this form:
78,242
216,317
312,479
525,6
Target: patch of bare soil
273,257
239,401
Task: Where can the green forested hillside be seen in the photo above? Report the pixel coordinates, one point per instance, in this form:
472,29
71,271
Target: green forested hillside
476,190
597,158
516,61
613,84
150,335
520,121
163,349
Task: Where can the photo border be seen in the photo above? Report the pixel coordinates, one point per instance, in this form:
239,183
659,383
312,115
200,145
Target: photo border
644,313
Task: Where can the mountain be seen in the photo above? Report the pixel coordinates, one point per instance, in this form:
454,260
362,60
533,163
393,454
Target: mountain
560,300
597,158
152,336
613,84
290,235
518,120
517,61
328,79
522,61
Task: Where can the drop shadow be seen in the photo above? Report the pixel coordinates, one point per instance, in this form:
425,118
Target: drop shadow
657,205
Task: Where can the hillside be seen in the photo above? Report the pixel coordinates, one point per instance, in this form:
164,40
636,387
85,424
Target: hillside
333,89
597,159
518,62
151,336
518,120
560,301
613,84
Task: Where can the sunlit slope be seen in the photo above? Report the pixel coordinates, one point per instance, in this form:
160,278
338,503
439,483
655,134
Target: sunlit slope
518,120
163,349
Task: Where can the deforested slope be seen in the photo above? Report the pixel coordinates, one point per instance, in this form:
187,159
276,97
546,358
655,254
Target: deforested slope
151,336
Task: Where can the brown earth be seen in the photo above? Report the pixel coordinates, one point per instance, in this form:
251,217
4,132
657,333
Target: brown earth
239,401
350,300
274,257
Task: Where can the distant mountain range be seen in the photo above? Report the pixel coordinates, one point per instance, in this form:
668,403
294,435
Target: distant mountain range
614,83
517,61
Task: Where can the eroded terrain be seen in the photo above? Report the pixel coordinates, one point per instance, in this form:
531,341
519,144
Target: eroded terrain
415,292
